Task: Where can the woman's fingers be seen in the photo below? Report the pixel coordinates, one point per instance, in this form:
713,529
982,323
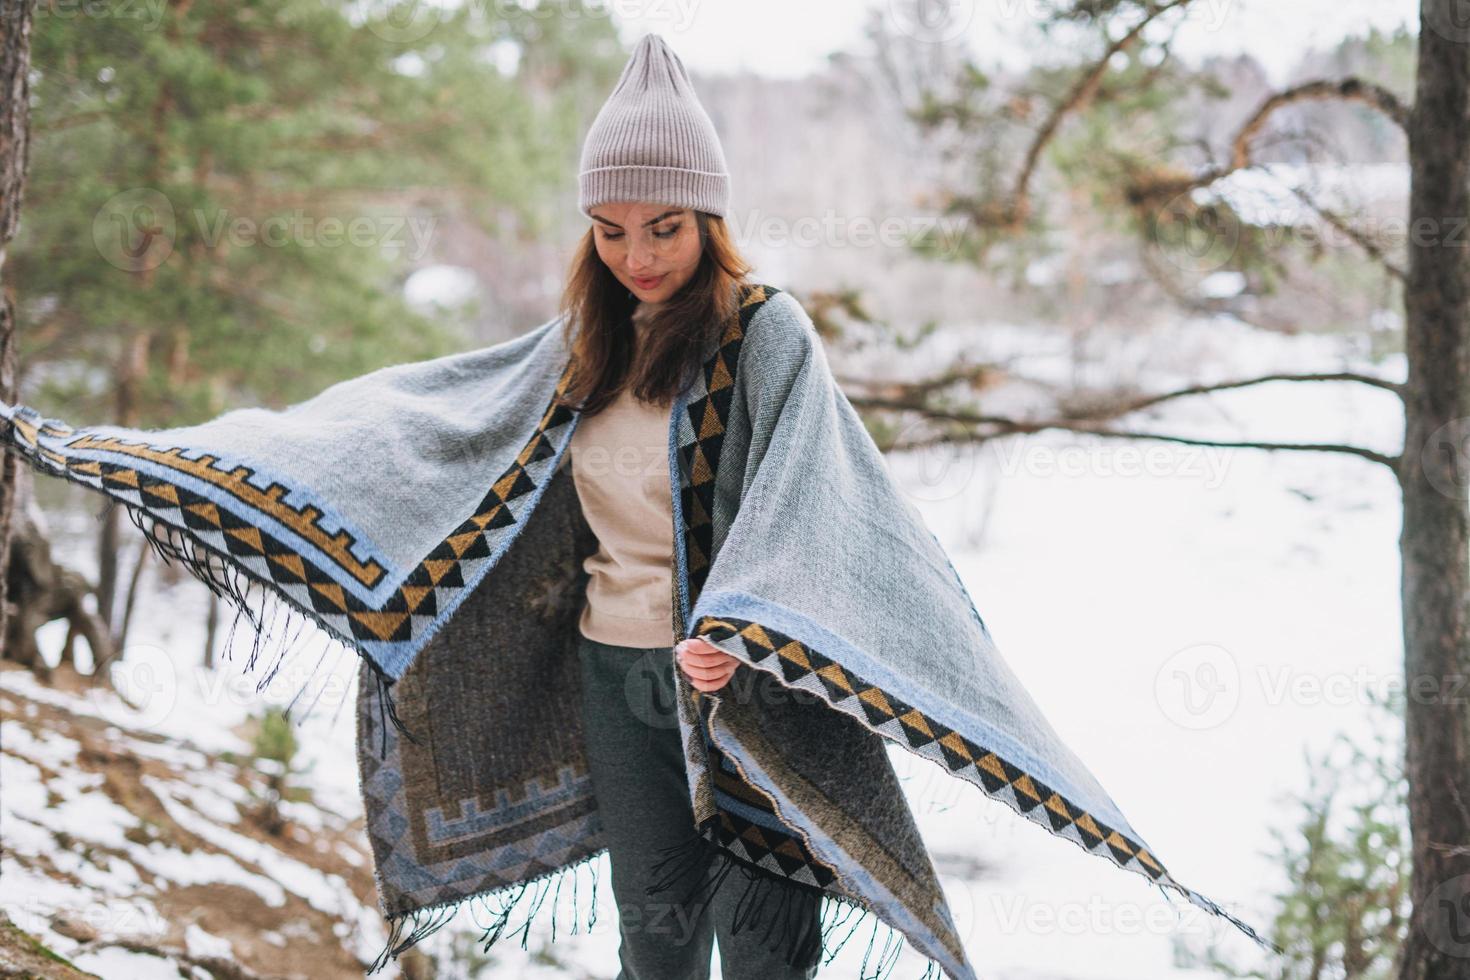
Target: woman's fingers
713,685
701,648
709,673
717,659
707,666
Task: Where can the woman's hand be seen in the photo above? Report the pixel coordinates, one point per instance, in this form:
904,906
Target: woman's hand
708,667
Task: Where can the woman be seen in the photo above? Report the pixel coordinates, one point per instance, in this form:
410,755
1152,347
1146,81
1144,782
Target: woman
420,515
655,278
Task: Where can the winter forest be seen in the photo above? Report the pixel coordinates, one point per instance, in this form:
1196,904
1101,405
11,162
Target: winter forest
1158,310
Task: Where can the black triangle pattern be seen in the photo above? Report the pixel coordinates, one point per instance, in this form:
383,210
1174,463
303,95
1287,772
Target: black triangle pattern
765,844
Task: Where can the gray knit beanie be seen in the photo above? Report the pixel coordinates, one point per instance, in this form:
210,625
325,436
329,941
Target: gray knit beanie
653,141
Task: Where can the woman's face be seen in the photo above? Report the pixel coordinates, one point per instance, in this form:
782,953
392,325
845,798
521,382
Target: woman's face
653,249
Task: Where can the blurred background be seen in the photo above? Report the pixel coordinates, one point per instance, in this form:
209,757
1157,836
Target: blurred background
1120,287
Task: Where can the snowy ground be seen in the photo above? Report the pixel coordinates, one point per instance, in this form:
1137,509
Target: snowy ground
137,856
1189,620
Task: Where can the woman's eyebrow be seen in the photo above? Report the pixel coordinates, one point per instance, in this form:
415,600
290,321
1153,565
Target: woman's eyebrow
650,221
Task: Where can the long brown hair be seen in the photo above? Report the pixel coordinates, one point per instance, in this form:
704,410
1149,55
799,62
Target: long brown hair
677,336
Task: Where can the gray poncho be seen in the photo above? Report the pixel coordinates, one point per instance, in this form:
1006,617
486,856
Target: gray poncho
424,515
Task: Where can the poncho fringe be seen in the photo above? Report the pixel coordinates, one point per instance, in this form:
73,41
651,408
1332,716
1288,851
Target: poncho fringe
233,582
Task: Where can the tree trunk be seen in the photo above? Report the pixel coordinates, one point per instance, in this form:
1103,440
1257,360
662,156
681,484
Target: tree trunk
130,600
15,125
44,591
1435,537
211,631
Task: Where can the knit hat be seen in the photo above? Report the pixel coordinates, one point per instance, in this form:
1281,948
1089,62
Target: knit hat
653,141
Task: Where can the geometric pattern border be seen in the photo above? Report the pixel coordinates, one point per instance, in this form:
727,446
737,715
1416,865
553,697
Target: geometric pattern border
756,836
801,666
760,839
384,632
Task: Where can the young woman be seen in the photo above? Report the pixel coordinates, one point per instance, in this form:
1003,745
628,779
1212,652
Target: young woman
654,281
367,508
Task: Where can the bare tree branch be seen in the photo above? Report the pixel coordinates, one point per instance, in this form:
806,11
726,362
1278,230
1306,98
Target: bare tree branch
911,392
1346,90
909,397
1003,426
1367,379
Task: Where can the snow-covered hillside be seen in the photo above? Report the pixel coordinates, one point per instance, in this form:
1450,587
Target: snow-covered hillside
136,855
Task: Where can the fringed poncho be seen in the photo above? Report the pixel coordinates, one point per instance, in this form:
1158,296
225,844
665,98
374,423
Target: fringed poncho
424,516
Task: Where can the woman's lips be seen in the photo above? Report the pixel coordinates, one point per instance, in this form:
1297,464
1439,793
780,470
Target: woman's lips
647,283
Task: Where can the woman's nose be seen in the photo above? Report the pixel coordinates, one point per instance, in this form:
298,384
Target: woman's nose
640,257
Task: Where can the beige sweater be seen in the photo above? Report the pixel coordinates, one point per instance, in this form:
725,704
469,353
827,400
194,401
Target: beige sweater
620,466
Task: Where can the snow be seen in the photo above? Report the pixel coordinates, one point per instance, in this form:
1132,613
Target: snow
181,868
80,814
439,287
323,891
354,858
35,810
31,898
171,753
113,961
216,801
1262,194
1223,284
53,751
202,944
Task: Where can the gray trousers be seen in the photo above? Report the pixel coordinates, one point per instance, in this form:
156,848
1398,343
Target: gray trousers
637,768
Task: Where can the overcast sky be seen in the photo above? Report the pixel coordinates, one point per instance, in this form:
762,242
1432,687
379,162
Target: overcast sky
793,37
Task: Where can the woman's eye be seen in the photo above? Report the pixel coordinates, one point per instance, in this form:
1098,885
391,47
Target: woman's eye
610,236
